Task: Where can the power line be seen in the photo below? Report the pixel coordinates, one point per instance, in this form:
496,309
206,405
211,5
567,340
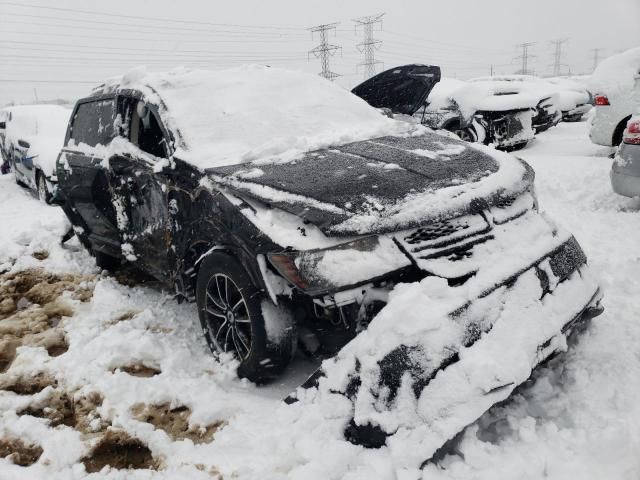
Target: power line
154,28
524,70
557,55
146,18
39,80
325,50
369,45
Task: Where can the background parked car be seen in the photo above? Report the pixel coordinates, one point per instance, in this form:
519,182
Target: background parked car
485,112
480,113
34,135
625,171
548,105
616,86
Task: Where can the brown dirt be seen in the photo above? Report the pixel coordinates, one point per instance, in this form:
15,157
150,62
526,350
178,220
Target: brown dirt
175,422
27,386
60,408
120,451
31,309
19,452
139,370
40,255
39,287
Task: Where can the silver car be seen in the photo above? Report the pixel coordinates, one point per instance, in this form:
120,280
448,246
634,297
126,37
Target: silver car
625,171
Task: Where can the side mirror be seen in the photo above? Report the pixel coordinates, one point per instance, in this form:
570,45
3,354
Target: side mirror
24,144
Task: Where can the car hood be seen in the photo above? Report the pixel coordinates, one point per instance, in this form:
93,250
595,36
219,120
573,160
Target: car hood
401,89
381,185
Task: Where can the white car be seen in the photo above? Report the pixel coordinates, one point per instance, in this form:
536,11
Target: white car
33,137
616,85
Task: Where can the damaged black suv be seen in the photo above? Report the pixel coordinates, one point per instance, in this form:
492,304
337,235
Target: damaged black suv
279,241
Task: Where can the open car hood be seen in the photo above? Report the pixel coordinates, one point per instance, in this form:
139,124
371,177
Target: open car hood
381,185
401,89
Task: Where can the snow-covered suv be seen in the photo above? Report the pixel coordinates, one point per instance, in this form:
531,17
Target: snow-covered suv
616,84
289,209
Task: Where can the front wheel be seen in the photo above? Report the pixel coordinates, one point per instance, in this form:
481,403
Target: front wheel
466,134
240,319
43,191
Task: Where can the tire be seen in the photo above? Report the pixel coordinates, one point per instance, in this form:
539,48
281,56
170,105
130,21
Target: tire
232,313
467,134
41,188
106,262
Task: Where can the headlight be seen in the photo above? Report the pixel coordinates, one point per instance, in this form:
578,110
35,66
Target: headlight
342,266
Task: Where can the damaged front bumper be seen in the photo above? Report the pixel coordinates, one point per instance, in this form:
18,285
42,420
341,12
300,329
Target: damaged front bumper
422,374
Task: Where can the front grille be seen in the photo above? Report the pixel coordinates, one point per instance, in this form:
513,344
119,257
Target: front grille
437,236
433,231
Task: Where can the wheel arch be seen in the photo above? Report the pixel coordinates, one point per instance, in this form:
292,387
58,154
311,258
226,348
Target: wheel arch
616,138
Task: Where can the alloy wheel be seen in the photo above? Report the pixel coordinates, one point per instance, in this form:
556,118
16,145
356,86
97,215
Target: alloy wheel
227,316
42,188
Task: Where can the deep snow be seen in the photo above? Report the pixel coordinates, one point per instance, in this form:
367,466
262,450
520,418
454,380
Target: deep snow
581,419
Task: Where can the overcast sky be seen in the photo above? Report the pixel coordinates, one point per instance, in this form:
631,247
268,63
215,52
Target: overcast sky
58,50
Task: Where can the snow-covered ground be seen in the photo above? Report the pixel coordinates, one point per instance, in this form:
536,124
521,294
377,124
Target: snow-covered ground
97,355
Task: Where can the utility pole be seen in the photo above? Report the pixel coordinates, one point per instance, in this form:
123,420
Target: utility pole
596,56
557,55
369,45
325,49
524,70
491,70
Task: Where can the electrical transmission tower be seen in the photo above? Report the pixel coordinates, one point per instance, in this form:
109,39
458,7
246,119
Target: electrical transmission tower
596,56
369,45
524,69
557,55
325,50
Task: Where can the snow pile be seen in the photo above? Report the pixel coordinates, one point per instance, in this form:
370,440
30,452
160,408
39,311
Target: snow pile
252,112
44,127
617,74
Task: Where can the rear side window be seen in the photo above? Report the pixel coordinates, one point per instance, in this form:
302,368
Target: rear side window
93,123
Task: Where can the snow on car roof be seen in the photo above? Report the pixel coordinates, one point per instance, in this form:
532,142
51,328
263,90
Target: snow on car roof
28,121
250,112
44,127
617,73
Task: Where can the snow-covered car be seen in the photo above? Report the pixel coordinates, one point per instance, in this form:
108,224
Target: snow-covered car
625,171
33,137
548,104
575,100
616,86
494,113
313,222
474,113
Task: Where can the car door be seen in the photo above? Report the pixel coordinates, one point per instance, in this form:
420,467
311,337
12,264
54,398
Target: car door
83,178
140,184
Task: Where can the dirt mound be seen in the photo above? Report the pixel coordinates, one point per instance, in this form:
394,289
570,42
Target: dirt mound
31,309
27,385
175,422
19,452
139,370
60,408
118,450
35,286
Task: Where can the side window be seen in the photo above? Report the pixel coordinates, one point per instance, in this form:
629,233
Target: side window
143,127
93,123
